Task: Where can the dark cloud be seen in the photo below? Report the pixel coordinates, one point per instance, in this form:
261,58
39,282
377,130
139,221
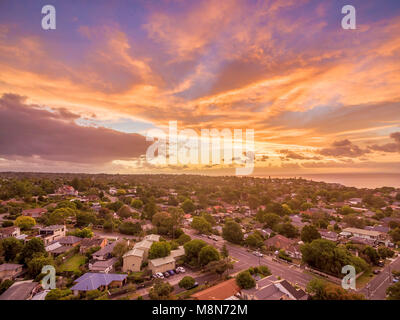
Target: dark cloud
389,147
344,148
27,130
297,156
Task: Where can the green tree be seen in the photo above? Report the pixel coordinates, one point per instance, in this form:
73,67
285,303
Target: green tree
309,233
232,232
161,290
11,247
36,264
25,223
130,228
201,225
188,206
245,281
159,250
219,267
393,292
187,282
150,209
183,238
208,254
321,290
254,240
192,250
288,230
224,251
33,247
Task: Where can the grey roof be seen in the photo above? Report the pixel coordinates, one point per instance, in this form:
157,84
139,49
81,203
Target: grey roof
106,250
162,261
19,290
134,252
298,294
9,266
103,264
93,281
269,292
69,240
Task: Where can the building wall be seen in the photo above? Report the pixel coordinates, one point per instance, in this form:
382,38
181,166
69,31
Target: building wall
132,263
162,268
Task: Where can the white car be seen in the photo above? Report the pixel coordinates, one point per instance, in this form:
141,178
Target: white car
258,254
160,275
181,270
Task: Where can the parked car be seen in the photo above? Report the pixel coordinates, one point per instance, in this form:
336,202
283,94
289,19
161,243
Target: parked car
377,271
258,254
395,280
176,270
160,275
171,272
166,274
181,269
196,284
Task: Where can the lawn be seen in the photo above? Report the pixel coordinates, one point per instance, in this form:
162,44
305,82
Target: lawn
73,263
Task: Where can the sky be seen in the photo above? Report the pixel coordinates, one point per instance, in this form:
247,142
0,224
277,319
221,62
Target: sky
82,97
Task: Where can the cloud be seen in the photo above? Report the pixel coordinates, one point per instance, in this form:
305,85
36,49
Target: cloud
297,156
389,147
26,130
344,148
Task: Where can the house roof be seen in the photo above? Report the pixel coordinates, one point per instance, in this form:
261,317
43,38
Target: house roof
145,244
178,252
20,290
9,230
106,250
161,261
86,242
362,231
221,291
297,294
93,281
9,266
134,252
103,264
152,237
69,240
280,242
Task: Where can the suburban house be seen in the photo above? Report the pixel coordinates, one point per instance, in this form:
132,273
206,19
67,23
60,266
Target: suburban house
222,291
52,233
270,288
104,253
34,213
328,235
106,266
362,233
70,241
21,290
88,243
133,260
162,264
178,253
67,191
10,271
98,281
8,232
280,242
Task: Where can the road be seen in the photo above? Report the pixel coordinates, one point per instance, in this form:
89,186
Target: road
247,259
376,288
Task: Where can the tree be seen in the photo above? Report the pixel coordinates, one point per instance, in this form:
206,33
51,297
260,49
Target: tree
192,250
288,230
11,247
245,281
232,232
159,250
271,220
124,211
161,290
187,282
201,225
82,233
324,255
254,240
393,292
150,209
176,215
188,206
58,294
137,204
224,251
83,219
25,223
309,233
321,290
164,222
120,248
371,254
130,228
208,254
36,264
219,266
183,238
395,234
33,247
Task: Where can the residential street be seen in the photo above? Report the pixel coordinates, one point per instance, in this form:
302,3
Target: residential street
376,289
